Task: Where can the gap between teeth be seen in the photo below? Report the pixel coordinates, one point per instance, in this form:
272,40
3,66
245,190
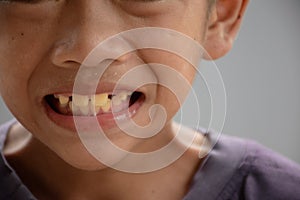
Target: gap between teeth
93,104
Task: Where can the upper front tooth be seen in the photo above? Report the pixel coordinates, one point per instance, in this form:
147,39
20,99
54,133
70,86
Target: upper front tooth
99,99
123,96
80,100
84,110
116,101
63,100
74,109
106,107
95,110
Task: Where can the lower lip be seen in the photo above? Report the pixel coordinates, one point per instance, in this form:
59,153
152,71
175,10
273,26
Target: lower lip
106,121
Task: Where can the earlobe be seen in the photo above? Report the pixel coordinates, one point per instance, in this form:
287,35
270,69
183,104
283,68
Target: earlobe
223,26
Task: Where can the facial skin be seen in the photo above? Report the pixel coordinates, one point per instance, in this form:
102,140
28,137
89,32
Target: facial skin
43,45
60,36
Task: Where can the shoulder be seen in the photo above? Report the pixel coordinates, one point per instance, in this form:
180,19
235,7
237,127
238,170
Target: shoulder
262,174
4,128
268,175
10,184
243,169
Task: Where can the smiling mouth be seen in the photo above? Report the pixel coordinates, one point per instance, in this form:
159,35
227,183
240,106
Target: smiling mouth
93,105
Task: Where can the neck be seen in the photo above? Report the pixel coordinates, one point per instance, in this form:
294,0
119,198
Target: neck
54,178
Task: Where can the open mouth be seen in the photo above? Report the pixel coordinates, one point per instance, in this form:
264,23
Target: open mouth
93,105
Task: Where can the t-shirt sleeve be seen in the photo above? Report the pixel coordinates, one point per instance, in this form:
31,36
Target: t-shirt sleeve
266,175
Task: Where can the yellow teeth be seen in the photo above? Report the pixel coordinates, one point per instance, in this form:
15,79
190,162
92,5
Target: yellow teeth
99,99
63,100
95,110
87,105
106,107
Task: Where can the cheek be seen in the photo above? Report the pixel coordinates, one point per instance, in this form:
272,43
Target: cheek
25,38
22,48
168,100
13,73
175,83
172,99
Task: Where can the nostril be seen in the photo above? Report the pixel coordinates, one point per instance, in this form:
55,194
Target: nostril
61,56
67,54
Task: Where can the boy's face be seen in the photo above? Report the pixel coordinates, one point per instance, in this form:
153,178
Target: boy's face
43,45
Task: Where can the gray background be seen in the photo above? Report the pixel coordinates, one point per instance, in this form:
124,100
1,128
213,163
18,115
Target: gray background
261,76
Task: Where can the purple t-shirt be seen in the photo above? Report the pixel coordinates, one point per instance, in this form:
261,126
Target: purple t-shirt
234,169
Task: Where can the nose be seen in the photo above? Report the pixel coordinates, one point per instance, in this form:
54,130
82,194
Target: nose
84,25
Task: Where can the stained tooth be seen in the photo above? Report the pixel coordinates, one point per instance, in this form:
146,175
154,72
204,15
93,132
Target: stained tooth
106,107
63,100
62,109
100,99
91,105
116,101
80,100
96,110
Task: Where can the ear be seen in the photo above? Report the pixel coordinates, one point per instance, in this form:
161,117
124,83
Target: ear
223,25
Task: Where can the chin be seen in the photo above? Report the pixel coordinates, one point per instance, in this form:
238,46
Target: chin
77,156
